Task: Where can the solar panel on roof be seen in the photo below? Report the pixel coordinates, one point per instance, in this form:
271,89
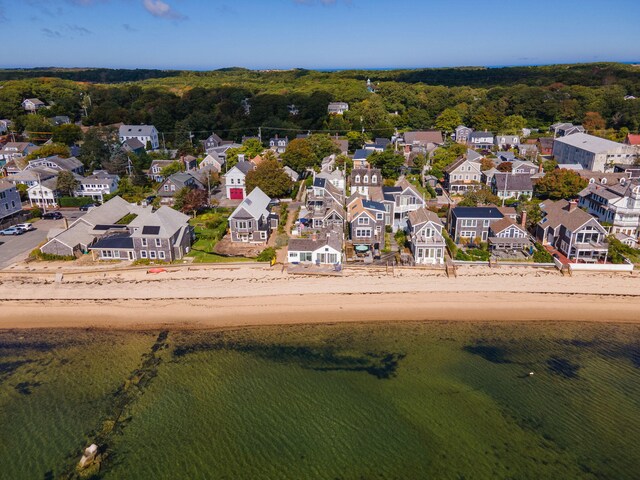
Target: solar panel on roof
149,230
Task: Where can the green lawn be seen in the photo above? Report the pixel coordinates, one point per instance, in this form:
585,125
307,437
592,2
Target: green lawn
210,227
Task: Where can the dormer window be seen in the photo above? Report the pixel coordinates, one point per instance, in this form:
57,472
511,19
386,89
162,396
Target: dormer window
622,181
366,179
603,181
374,179
592,180
357,179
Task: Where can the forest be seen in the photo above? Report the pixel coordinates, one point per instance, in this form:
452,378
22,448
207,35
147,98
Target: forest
187,103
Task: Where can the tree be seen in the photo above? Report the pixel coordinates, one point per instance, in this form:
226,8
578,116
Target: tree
534,213
356,140
173,167
505,167
442,157
448,120
389,163
67,134
117,163
549,165
486,164
322,146
271,178
513,124
593,121
95,149
480,196
250,149
344,163
66,183
194,199
58,149
561,183
419,162
299,155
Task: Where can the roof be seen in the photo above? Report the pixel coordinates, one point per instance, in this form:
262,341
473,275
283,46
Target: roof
557,213
245,167
77,234
98,176
590,143
371,205
633,139
5,185
180,179
506,222
115,241
481,134
362,154
477,212
136,130
332,239
255,204
35,101
164,222
423,215
107,213
423,137
70,163
133,144
520,182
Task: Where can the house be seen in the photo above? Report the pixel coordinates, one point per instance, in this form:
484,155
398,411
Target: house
614,199
279,144
212,141
463,174
564,129
146,134
512,185
337,108
321,249
293,175
324,204
366,225
572,231
593,153
9,199
528,150
155,170
133,145
505,234
84,231
399,201
342,144
360,158
176,182
425,233
471,223
234,180
32,105
545,145
421,141
331,174
481,140
4,126
506,142
60,120
213,161
13,150
221,151
251,221
362,179
632,139
97,185
462,134
163,235
32,176
54,162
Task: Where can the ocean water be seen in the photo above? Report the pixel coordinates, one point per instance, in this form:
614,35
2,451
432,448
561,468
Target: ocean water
451,400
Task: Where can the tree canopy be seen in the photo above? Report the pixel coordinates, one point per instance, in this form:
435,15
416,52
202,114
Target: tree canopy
389,163
271,178
560,183
66,183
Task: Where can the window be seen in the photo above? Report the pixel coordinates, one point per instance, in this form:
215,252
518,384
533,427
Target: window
363,221
143,254
306,256
166,187
365,179
374,179
106,254
263,235
468,222
241,225
161,255
158,242
152,254
379,216
363,232
468,234
486,223
231,181
357,179
144,242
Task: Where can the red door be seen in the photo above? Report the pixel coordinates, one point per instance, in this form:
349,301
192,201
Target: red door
236,194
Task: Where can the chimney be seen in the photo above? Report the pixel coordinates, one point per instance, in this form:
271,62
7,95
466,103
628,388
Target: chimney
572,205
314,236
523,220
540,169
241,157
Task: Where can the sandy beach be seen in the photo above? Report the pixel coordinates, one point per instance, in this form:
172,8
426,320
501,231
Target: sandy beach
244,296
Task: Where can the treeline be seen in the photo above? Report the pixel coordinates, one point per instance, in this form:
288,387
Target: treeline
94,75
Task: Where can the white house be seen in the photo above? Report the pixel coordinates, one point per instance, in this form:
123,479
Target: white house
234,180
213,161
142,133
338,108
97,185
592,153
320,249
44,194
32,104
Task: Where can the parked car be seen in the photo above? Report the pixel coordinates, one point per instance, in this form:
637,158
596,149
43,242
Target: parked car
26,227
52,216
87,207
11,231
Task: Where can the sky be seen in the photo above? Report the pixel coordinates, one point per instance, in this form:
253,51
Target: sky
315,34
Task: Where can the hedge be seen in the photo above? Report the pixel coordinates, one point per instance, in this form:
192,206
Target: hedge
74,201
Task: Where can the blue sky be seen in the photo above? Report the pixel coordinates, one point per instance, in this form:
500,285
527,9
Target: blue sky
202,35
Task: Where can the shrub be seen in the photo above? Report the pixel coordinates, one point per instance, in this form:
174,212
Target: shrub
74,201
35,212
49,257
267,255
388,229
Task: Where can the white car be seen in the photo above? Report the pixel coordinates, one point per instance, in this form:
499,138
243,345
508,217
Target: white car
25,227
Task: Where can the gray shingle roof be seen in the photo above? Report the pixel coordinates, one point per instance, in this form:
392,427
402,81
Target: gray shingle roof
520,182
136,130
255,204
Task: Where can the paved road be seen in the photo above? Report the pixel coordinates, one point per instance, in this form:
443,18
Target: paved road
16,248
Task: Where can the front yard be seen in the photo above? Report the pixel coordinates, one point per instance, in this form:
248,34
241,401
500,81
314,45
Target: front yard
210,227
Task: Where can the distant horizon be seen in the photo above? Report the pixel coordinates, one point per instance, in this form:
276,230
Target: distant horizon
317,69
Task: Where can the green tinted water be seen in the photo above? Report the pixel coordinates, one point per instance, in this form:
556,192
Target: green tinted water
414,400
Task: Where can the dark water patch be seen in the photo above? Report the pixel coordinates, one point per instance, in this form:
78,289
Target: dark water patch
628,351
563,367
25,388
576,342
26,346
8,368
491,353
382,365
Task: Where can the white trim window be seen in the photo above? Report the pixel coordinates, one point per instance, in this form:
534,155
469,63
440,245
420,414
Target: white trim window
143,254
363,221
152,254
158,242
144,242
363,232
161,255
468,222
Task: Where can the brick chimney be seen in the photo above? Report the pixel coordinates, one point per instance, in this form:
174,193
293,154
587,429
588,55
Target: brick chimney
572,205
523,220
314,236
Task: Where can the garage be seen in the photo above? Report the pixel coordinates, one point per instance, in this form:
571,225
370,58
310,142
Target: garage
236,194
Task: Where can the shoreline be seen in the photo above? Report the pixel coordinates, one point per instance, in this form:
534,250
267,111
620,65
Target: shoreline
244,296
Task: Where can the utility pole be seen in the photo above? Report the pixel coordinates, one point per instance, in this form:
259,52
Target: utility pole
164,145
44,203
260,134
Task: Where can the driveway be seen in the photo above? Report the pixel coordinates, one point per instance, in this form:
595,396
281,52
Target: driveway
16,248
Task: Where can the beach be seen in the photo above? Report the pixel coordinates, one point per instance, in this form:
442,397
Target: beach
259,295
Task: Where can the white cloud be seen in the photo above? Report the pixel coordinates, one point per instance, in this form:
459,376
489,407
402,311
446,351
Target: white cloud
160,9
